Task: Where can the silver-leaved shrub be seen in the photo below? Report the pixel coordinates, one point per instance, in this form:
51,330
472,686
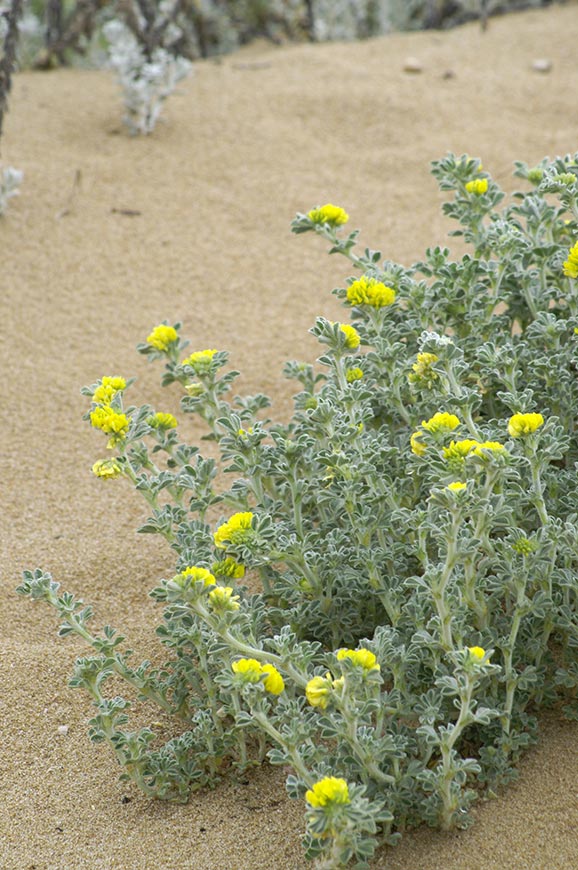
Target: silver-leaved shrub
412,530
146,78
10,181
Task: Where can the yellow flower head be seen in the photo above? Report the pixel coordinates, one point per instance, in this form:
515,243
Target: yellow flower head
493,446
478,186
274,682
195,574
110,422
456,486
107,390
228,568
417,445
222,598
318,691
249,669
571,264
524,546
328,214
363,658
441,422
328,791
235,530
162,337
354,374
422,372
369,291
200,361
524,424
460,449
107,469
162,421
476,652
351,335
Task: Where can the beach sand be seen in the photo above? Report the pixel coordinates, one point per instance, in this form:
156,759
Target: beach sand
251,139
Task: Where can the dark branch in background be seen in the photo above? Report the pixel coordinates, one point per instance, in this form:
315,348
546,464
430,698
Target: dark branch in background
140,17
8,60
67,33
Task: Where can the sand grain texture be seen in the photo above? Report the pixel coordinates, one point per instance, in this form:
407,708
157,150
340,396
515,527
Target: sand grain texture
248,141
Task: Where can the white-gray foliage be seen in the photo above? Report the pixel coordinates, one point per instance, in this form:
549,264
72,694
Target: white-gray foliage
349,19
145,82
10,181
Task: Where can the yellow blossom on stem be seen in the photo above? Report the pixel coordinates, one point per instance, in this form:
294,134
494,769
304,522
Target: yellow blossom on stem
274,682
524,424
110,422
369,291
456,486
249,669
107,390
162,337
352,339
195,574
460,449
476,652
228,568
363,658
478,186
222,598
200,360
422,371
571,264
328,214
234,530
318,691
440,422
330,790
417,445
162,421
354,374
107,469
494,446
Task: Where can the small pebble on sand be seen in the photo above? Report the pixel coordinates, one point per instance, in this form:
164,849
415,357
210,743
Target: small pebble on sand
412,65
542,65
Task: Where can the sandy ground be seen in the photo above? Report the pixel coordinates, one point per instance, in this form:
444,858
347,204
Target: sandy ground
249,141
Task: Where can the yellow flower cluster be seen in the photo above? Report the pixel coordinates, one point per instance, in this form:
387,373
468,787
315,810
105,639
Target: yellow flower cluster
460,449
476,652
235,530
200,361
478,186
363,658
162,337
456,486
228,568
328,214
110,422
107,469
251,670
352,339
162,421
318,691
107,390
524,424
369,291
328,791
441,422
422,372
354,374
196,574
571,264
222,598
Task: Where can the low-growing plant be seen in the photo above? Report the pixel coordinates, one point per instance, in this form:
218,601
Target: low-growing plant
148,70
10,181
412,529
